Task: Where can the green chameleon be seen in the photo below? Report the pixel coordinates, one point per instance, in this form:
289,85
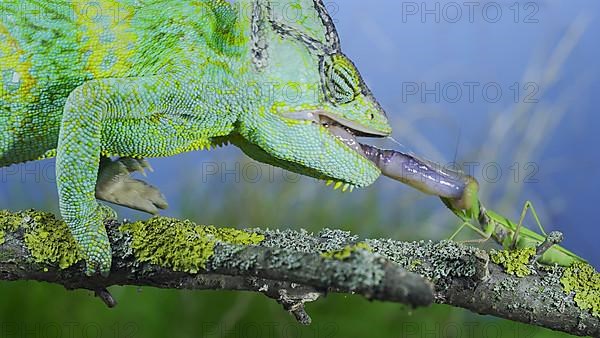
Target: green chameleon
89,81
103,85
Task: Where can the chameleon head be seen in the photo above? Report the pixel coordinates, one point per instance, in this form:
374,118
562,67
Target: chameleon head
318,102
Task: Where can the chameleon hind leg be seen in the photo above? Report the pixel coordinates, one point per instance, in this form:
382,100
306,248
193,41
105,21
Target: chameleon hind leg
112,116
115,185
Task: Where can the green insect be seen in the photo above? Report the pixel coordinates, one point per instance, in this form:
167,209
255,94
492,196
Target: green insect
514,236
460,193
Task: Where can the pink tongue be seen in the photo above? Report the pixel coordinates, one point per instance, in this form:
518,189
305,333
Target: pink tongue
343,135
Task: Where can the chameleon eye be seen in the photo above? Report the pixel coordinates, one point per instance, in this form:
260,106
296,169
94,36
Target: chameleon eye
342,82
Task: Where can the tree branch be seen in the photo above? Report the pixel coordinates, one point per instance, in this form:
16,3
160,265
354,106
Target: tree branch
295,267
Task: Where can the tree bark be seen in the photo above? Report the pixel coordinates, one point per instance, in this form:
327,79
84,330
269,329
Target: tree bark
290,267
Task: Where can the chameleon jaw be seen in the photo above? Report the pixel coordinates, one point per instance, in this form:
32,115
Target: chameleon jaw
343,130
326,119
455,186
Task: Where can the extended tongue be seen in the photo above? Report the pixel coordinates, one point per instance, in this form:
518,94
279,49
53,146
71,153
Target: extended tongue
423,175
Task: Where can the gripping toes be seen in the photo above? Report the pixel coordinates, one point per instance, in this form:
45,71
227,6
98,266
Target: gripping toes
90,235
132,165
98,253
116,186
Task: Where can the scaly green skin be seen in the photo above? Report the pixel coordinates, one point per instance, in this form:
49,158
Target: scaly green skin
139,79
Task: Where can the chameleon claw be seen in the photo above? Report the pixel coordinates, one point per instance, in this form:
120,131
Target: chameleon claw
92,269
146,165
98,266
338,185
95,245
132,165
107,213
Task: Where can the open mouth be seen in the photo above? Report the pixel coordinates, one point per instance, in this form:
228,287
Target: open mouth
424,175
344,130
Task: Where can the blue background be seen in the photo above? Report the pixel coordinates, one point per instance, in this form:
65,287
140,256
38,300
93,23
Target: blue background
560,53
554,132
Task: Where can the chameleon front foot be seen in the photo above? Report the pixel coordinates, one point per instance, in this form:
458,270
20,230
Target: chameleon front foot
97,253
90,234
98,263
115,185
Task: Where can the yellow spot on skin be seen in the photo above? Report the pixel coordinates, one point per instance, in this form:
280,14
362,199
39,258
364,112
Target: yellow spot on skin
105,33
201,144
12,59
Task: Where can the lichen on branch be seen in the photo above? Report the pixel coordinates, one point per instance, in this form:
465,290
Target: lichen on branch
295,267
181,245
583,280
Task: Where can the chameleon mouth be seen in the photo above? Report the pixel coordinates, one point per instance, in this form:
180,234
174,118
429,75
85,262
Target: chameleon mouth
344,130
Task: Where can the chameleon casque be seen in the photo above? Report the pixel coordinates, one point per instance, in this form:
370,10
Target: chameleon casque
104,85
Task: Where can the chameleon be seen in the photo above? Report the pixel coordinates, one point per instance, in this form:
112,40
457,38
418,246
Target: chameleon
103,85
